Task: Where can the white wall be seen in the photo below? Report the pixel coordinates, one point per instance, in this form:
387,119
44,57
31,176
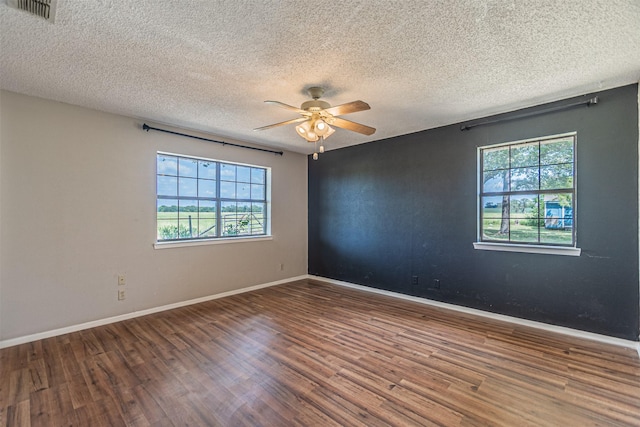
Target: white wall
78,202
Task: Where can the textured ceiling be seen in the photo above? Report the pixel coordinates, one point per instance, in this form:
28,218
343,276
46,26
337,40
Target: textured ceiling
209,65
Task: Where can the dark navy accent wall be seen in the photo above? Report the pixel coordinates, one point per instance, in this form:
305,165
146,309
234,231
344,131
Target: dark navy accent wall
383,212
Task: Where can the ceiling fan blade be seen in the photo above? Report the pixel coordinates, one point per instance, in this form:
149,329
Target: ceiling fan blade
288,122
350,107
353,126
286,106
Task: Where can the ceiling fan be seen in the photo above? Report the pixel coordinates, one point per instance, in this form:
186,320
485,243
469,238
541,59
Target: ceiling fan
318,117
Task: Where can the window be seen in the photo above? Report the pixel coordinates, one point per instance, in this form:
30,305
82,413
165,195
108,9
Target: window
527,192
206,199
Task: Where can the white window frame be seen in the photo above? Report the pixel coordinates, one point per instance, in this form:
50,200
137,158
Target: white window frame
219,238
517,246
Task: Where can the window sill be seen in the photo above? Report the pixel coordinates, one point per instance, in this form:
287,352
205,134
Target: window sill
218,241
531,249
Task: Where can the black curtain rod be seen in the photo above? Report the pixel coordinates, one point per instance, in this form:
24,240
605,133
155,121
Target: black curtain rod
588,103
147,128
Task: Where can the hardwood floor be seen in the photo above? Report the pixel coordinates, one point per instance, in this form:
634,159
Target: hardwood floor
313,354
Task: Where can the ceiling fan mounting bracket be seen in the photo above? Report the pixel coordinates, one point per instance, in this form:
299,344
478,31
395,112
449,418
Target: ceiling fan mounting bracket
315,92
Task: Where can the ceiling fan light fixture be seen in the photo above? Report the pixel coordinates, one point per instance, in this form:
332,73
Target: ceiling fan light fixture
318,117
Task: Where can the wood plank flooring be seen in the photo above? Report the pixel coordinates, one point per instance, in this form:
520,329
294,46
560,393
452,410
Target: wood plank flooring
313,354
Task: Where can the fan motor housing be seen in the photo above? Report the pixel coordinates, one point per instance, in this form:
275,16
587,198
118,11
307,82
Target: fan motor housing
315,105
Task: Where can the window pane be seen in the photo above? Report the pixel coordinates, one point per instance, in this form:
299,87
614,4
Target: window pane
244,218
244,191
207,218
229,219
206,169
524,155
227,172
491,229
167,230
524,231
167,219
207,228
187,229
495,158
207,209
243,174
206,188
244,207
524,179
257,192
258,209
558,211
524,207
492,207
188,208
227,190
257,224
558,219
187,187
167,186
525,218
167,165
228,207
556,236
556,176
556,151
494,181
168,207
187,167
258,176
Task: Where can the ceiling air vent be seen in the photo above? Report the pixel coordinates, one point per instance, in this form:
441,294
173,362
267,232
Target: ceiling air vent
43,8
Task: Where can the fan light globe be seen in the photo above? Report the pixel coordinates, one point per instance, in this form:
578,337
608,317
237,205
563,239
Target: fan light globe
305,130
322,129
301,131
329,131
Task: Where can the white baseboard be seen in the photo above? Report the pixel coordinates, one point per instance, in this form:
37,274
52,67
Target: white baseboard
106,321
501,317
523,322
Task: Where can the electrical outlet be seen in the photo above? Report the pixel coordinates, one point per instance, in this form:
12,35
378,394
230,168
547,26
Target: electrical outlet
436,283
414,280
121,295
122,280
